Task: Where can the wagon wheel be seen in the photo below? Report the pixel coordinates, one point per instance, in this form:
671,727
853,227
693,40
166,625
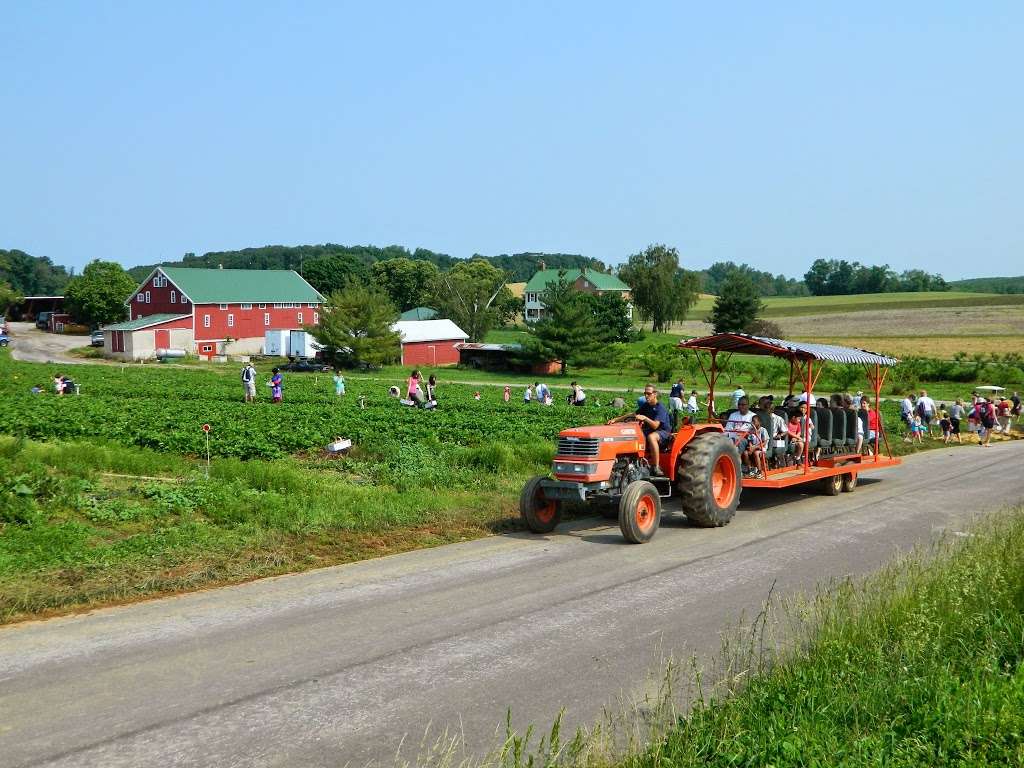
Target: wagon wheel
849,482
539,514
832,486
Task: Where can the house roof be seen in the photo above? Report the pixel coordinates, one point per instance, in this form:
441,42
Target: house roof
801,350
419,313
601,280
428,330
143,322
235,286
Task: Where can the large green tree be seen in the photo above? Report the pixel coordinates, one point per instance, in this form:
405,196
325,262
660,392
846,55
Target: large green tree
568,332
355,326
737,306
406,281
97,296
474,296
333,272
662,291
8,296
611,317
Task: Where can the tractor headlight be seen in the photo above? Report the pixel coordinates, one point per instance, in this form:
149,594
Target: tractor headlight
572,468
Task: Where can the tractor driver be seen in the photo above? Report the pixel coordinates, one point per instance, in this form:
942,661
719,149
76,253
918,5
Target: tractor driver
654,421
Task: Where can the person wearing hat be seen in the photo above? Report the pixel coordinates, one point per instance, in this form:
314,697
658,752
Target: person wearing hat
987,417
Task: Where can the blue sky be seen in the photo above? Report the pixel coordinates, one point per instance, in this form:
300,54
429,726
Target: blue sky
140,131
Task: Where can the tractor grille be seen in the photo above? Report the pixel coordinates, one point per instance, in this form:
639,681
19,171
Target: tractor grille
578,446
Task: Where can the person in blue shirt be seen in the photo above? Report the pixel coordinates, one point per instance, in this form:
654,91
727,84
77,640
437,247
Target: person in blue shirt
654,421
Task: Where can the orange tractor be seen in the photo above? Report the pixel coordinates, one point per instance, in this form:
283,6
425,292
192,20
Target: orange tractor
610,464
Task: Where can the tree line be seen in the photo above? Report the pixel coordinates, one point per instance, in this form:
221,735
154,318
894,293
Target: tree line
838,277
519,266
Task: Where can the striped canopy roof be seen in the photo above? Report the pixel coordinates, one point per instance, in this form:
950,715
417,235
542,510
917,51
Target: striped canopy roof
801,350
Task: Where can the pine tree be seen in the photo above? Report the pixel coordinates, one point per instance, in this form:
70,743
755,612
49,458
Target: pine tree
737,306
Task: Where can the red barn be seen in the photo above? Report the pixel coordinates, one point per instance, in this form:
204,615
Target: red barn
227,311
429,342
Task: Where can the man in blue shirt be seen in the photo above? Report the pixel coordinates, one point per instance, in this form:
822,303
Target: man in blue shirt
654,421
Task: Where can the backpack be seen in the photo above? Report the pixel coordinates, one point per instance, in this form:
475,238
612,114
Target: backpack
247,374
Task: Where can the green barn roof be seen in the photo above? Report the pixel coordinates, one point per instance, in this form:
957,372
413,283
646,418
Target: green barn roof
143,322
418,313
236,286
601,280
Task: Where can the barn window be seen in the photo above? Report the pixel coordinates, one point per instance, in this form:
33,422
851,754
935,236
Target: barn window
147,297
231,321
206,321
247,306
141,298
316,318
298,317
207,347
174,297
266,318
312,306
223,306
263,306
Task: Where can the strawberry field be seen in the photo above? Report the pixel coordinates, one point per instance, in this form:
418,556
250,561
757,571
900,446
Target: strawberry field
164,409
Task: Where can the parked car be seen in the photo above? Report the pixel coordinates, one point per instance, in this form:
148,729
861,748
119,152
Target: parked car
43,320
4,339
305,366
96,339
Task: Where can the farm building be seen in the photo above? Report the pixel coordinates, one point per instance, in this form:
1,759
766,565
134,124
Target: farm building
585,280
419,313
139,339
429,342
221,311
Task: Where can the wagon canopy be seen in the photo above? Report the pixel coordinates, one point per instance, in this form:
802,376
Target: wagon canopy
745,344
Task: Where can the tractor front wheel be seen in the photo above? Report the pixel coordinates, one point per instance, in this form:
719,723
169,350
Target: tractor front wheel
539,514
639,512
708,480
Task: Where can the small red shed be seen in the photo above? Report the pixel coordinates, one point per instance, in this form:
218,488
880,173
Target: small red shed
429,342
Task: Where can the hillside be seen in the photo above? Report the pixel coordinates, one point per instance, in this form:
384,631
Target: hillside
521,266
990,284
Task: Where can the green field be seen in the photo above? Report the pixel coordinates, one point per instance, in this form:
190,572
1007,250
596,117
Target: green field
776,307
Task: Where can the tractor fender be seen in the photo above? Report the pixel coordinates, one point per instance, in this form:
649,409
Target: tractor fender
681,439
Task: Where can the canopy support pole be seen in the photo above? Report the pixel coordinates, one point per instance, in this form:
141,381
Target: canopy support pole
807,418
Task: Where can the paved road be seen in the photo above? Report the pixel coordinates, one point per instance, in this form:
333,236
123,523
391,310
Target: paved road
338,664
30,344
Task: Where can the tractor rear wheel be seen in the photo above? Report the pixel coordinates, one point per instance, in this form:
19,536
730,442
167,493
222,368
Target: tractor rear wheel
639,512
832,486
539,514
708,480
849,482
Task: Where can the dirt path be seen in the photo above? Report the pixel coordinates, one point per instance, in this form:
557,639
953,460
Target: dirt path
31,345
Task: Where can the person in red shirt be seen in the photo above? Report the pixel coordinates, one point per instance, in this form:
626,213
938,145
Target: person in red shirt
873,429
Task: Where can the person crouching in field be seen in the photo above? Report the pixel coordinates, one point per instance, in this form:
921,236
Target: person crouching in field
339,383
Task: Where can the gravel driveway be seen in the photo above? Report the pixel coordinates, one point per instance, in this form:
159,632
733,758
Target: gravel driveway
30,344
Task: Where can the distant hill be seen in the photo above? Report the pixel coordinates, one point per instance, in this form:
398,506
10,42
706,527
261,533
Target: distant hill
521,266
32,275
990,284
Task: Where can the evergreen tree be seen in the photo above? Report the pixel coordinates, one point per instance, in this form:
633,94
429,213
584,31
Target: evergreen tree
738,306
355,327
568,332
